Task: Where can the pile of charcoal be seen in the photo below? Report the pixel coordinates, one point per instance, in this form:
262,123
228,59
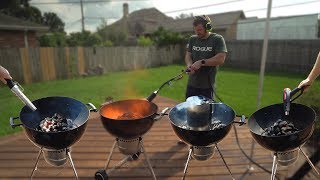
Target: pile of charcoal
56,123
279,128
128,116
217,124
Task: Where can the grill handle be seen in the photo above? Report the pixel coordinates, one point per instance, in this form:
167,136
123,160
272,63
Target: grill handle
162,113
242,120
12,124
294,91
92,107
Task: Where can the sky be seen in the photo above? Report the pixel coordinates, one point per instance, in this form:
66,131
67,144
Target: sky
111,10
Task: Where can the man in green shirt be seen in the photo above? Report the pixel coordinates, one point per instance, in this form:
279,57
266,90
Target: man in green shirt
205,52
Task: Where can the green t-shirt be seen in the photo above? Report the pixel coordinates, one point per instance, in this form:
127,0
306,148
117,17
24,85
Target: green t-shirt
204,49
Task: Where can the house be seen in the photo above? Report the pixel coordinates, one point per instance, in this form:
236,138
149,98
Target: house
141,22
17,33
290,27
223,23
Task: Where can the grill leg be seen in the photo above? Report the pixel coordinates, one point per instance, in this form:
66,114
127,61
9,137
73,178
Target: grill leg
310,163
117,166
110,154
225,162
148,161
71,163
274,166
187,163
36,164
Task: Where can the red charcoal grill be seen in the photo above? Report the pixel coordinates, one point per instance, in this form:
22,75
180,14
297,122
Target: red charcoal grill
194,122
285,148
55,146
128,121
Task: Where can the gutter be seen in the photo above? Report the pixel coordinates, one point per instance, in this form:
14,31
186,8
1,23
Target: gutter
24,28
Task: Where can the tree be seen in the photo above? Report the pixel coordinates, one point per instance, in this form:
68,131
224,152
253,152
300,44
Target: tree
20,9
53,21
85,38
145,41
164,37
184,15
56,39
102,30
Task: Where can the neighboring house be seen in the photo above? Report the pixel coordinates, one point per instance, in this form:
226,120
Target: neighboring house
141,22
18,33
223,23
291,27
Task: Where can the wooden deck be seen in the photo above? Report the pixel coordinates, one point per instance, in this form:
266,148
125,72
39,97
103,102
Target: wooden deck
18,154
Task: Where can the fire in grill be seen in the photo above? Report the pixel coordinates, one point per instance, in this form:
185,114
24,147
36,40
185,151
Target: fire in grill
56,123
129,115
128,121
280,127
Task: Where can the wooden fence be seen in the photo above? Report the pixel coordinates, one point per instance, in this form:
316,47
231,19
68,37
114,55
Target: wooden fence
296,56
45,64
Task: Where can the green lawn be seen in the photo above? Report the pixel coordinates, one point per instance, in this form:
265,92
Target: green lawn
237,88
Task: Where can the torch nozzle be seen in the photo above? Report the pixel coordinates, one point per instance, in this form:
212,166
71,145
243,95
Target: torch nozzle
286,101
16,90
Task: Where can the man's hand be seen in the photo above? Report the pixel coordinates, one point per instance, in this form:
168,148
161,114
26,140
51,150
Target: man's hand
305,84
4,74
196,65
189,70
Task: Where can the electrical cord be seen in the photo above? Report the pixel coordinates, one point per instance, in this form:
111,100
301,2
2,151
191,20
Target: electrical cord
236,134
250,159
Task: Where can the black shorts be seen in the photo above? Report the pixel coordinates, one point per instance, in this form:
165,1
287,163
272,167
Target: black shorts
191,91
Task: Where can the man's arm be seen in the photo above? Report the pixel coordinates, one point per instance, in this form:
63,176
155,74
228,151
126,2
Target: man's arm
216,60
315,70
312,75
188,59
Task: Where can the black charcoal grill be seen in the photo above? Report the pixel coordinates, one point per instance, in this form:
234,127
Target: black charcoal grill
285,146
55,146
202,124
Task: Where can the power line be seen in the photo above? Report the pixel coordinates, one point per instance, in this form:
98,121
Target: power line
256,20
73,23
84,2
199,7
88,17
286,5
192,8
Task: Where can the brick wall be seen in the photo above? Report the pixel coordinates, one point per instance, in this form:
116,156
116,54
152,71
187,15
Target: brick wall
15,39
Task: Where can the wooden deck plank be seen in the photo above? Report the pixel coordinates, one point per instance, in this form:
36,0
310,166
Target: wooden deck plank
18,154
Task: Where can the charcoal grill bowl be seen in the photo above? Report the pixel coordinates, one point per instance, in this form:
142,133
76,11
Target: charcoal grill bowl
303,118
179,122
47,107
128,128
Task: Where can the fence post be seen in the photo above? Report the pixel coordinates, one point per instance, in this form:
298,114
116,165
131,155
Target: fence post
27,76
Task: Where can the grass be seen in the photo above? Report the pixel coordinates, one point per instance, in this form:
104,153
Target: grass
237,88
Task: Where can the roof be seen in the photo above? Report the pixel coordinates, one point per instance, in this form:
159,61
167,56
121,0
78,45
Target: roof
219,21
255,19
143,21
13,23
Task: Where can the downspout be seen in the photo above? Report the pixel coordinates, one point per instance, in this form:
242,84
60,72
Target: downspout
26,38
